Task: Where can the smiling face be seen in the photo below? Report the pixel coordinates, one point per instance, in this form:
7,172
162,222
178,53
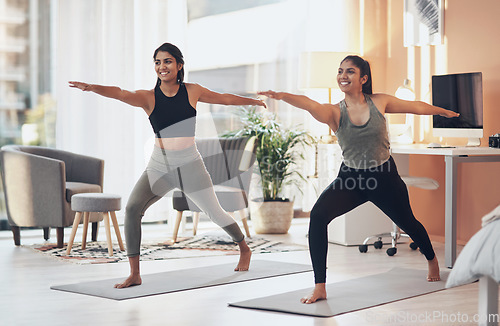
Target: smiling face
349,77
166,67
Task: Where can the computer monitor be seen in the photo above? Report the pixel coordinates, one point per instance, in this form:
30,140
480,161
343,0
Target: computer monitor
462,93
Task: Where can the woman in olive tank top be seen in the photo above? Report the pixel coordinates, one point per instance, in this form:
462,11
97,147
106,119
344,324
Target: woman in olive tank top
368,172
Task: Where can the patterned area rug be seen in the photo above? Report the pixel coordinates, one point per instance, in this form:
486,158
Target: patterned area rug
198,246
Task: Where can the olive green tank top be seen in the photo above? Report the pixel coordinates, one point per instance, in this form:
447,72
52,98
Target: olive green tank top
365,146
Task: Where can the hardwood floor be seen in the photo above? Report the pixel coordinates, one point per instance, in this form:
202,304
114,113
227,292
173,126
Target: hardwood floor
26,298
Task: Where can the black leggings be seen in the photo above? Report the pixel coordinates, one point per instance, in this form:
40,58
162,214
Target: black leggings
381,185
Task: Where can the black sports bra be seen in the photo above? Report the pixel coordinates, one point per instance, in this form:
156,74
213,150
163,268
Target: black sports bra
173,116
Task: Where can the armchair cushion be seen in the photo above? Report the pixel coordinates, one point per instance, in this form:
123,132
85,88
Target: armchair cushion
73,188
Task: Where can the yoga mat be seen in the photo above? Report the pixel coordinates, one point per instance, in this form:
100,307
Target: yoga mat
185,279
348,296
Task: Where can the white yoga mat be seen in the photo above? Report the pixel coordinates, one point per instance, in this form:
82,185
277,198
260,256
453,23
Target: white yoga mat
347,296
185,279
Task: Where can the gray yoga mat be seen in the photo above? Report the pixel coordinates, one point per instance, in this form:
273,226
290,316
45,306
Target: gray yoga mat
185,279
348,296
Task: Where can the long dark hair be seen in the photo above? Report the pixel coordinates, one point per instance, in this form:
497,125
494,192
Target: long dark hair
177,54
364,68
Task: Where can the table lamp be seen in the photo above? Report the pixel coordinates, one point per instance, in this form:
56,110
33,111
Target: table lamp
403,133
405,91
318,69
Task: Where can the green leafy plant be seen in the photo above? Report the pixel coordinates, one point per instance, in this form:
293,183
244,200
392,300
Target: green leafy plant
277,150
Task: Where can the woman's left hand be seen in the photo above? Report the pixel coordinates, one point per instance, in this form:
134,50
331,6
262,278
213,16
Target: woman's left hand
449,114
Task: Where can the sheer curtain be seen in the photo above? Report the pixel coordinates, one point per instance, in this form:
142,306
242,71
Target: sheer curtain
111,42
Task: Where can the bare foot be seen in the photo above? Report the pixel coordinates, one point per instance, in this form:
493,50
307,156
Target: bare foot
433,274
319,293
132,280
245,255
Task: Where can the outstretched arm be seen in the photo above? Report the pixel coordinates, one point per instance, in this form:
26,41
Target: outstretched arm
396,105
136,98
209,96
325,113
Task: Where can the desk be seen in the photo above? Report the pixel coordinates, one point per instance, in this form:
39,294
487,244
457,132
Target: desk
452,157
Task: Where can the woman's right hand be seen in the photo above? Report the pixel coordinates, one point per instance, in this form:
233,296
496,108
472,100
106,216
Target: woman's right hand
83,86
272,94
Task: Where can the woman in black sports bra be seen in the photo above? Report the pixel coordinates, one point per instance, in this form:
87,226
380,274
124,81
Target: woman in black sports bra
175,162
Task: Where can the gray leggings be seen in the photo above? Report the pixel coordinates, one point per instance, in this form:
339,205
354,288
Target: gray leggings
167,170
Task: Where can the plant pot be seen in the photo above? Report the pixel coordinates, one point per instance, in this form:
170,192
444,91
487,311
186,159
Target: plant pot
271,217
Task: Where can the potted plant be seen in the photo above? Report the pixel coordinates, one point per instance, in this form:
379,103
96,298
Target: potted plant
277,156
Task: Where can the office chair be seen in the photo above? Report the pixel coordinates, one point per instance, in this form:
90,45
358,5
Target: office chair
396,234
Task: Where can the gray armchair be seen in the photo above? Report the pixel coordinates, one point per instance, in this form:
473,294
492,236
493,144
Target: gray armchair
229,161
38,184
